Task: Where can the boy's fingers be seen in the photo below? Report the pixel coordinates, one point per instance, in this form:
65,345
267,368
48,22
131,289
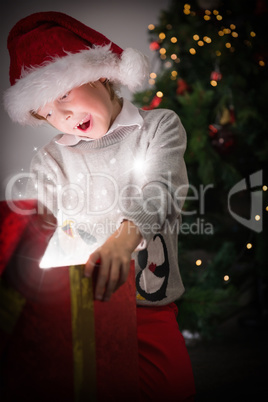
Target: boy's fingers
94,259
112,273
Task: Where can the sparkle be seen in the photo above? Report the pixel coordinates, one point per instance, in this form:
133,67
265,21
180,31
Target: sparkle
139,165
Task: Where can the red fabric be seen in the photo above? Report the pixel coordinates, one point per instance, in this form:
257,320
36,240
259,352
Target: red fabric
37,362
165,369
11,228
38,37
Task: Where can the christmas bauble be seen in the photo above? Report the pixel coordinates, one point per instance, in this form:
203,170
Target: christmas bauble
222,138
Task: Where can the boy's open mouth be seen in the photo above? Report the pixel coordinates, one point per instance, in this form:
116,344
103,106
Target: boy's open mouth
84,124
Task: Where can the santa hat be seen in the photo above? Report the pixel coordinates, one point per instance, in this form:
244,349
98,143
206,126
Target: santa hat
51,53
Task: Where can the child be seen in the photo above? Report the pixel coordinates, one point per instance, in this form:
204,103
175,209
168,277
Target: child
116,176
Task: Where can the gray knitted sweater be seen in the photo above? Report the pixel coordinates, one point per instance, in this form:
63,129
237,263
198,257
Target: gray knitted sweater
133,173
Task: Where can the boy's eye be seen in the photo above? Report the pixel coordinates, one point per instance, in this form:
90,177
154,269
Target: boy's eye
49,114
65,96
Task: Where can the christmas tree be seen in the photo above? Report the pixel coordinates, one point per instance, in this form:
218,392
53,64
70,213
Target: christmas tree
210,67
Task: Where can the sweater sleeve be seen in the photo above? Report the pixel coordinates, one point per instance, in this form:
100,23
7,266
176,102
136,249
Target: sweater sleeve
42,184
166,183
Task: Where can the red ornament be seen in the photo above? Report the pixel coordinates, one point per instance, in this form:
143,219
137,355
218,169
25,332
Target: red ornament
222,138
216,76
182,87
213,129
154,103
154,45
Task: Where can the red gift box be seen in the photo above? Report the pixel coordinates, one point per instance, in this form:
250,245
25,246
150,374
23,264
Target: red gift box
57,342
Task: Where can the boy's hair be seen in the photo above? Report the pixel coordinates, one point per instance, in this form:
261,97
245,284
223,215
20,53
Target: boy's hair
108,85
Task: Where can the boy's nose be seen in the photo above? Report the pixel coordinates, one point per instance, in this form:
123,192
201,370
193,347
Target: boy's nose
67,114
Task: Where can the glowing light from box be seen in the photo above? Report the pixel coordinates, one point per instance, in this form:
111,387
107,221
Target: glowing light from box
64,250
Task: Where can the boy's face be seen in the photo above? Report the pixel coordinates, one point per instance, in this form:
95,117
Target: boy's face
85,111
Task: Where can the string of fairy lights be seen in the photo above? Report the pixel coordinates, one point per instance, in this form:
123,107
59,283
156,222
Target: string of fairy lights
230,34
200,41
247,246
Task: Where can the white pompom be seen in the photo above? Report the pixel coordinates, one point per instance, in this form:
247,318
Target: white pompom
133,68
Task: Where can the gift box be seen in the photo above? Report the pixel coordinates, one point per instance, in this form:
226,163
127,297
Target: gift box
56,341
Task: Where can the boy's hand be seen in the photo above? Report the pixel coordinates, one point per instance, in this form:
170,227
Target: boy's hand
113,258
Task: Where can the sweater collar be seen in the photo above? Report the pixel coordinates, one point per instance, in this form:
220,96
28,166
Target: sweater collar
129,116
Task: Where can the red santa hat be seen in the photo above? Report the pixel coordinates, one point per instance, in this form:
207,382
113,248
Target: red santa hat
51,53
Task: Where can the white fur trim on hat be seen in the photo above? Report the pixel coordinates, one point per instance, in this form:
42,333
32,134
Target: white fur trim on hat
40,85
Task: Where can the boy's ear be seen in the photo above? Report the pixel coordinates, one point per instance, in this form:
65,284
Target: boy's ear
102,79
